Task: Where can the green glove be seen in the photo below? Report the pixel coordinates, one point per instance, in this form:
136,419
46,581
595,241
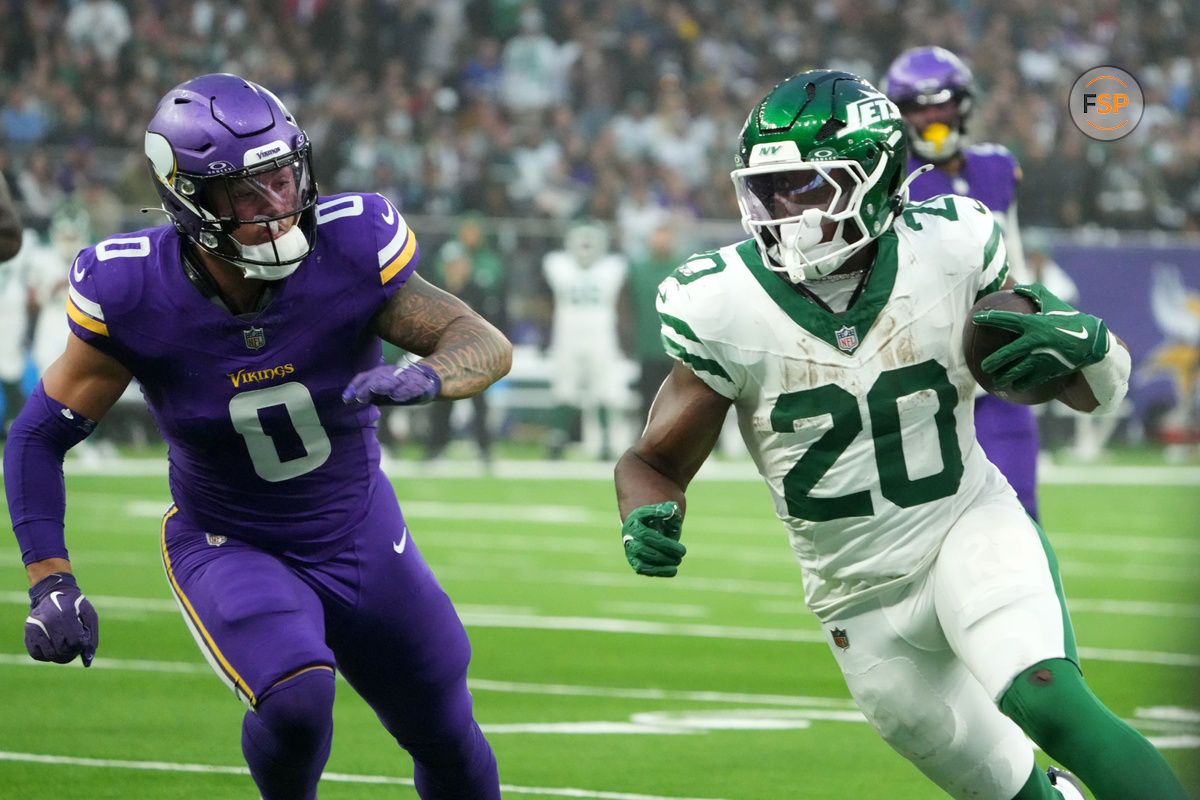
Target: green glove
651,535
1055,341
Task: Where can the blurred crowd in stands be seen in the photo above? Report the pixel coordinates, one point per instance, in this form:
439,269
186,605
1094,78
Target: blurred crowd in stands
625,110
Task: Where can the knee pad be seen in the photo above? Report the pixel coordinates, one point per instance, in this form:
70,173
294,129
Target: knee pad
909,715
298,712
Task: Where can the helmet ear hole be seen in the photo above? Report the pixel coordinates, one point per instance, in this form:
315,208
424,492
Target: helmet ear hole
830,127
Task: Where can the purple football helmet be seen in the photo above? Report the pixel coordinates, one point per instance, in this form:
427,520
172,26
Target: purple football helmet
934,91
225,153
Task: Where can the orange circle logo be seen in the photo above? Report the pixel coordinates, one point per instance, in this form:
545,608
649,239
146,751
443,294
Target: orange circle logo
1106,103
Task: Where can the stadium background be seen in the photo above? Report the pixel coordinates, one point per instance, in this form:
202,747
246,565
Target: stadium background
626,111
537,113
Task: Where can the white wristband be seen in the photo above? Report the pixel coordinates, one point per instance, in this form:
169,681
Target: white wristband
1108,378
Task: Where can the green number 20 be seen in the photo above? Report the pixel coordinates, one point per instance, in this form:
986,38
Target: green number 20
883,407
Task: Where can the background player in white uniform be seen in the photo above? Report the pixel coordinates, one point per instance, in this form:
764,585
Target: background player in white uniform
835,332
12,320
50,265
588,372
14,331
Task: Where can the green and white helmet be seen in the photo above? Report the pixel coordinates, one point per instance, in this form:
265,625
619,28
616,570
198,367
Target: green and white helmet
820,171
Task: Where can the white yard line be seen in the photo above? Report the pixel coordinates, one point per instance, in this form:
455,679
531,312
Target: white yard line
331,777
480,616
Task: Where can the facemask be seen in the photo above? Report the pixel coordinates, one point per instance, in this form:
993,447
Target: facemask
802,253
938,142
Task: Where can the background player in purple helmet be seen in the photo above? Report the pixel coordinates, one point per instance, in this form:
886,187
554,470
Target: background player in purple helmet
253,325
935,92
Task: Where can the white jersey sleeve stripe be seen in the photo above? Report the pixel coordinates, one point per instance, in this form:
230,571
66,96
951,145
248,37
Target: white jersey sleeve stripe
399,239
89,307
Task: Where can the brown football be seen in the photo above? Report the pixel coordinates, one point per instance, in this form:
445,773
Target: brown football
980,341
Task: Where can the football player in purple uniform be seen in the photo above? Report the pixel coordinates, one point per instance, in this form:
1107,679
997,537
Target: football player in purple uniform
935,92
252,323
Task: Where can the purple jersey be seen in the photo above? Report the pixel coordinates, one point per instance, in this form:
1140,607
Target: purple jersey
1007,433
261,446
990,175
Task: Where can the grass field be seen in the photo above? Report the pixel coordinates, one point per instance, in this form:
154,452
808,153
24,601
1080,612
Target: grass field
590,681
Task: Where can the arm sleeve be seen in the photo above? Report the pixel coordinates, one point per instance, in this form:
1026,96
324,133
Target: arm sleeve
1014,246
40,437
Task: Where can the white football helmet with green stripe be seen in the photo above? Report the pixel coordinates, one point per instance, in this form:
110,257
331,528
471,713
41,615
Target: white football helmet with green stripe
820,171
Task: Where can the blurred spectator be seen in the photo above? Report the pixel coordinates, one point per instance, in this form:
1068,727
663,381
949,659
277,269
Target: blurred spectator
23,117
632,128
468,267
10,222
640,212
49,263
536,158
481,74
102,26
534,66
14,333
646,272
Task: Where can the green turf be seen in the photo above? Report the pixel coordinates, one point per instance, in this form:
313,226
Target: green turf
535,567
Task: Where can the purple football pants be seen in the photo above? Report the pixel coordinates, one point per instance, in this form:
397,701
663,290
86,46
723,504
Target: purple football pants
374,611
1008,434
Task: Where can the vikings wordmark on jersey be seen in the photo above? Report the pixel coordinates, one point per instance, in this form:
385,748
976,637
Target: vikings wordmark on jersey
243,404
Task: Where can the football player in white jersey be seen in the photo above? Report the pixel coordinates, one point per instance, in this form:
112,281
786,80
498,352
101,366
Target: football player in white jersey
588,372
835,332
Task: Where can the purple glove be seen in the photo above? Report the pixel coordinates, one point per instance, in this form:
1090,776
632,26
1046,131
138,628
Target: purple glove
404,385
62,623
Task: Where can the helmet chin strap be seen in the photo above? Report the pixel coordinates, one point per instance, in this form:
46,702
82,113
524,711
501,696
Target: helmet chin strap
288,250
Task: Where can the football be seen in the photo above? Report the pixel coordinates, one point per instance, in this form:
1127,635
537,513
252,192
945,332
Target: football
980,341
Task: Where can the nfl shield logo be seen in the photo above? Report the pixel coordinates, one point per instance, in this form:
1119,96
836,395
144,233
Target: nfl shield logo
215,539
255,338
847,338
840,638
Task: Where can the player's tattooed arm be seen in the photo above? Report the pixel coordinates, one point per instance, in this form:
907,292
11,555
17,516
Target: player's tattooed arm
467,352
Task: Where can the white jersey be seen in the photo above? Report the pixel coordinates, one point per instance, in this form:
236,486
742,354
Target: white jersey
585,299
861,423
14,311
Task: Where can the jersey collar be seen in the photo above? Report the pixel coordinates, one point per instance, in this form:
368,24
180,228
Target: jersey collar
825,325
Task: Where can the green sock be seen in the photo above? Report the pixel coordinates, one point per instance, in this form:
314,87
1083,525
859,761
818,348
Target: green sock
1055,708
